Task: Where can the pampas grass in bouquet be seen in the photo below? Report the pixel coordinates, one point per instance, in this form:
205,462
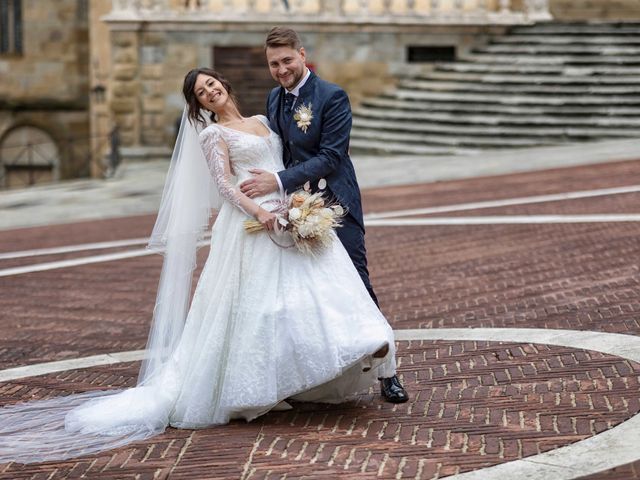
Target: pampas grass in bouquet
307,218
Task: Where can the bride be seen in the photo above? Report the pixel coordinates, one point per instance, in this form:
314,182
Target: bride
266,323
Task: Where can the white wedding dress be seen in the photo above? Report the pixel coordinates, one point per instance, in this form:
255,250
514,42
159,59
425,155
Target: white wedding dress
266,324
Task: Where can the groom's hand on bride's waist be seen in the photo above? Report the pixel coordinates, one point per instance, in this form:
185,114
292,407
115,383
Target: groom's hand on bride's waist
261,183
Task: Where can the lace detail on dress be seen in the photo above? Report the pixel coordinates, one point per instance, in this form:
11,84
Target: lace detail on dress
248,150
217,156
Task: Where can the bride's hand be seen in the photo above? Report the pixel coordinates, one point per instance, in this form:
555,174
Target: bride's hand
266,218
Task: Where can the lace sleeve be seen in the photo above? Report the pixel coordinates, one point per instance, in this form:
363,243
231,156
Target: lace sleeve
216,153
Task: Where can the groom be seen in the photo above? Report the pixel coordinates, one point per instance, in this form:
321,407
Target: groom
313,118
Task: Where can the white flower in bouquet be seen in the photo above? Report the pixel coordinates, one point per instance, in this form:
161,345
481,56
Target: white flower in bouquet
304,230
327,213
313,221
307,218
294,214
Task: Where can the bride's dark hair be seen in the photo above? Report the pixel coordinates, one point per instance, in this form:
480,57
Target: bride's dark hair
195,109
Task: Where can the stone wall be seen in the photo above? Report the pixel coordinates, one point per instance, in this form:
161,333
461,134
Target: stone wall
149,66
149,59
100,65
53,67
47,85
67,128
579,10
145,86
367,63
140,66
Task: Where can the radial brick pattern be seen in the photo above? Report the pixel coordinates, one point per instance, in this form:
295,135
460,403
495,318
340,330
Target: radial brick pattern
473,404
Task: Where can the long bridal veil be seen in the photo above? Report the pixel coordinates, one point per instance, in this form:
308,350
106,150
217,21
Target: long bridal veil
85,423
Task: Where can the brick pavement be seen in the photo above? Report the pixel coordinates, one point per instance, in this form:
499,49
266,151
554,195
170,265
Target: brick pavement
474,404
503,186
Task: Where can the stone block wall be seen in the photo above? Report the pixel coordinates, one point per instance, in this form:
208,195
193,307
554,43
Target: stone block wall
367,63
124,85
148,68
145,84
100,65
46,86
148,62
580,10
67,128
53,66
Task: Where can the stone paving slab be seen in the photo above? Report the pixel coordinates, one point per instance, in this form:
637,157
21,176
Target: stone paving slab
474,404
625,472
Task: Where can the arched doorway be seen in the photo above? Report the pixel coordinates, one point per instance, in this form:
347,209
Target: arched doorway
28,155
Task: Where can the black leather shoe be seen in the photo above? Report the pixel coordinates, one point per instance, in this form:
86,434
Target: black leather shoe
392,390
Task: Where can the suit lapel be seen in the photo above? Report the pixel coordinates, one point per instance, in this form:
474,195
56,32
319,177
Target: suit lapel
306,97
306,92
307,88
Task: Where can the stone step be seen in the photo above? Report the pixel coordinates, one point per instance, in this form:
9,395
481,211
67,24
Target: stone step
461,108
482,131
524,69
580,29
537,85
441,140
515,99
519,79
582,60
464,144
436,86
529,120
370,145
545,49
535,39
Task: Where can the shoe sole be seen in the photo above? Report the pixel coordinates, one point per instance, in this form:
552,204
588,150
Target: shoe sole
382,352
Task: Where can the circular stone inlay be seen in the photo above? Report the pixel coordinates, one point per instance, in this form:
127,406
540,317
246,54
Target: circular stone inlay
473,404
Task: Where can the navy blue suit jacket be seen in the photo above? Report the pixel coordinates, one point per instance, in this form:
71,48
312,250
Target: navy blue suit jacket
323,150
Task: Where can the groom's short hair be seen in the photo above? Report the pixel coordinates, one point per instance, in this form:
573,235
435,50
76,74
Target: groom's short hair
283,37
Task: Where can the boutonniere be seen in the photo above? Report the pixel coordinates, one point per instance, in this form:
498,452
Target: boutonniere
303,117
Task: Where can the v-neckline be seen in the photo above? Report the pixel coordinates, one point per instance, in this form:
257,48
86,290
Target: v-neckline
249,133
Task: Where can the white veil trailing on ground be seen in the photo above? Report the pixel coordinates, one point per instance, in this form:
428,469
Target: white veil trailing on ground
188,198
87,423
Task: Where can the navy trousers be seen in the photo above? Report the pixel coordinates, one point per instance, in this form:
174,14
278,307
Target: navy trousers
352,237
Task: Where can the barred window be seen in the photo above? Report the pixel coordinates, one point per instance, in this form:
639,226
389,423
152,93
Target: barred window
11,26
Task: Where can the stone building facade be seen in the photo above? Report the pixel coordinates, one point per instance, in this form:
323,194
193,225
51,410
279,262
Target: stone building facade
87,67
44,101
362,45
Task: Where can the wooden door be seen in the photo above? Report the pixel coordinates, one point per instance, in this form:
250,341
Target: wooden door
247,71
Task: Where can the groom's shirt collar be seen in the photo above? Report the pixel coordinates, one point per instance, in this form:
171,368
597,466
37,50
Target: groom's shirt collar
298,87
